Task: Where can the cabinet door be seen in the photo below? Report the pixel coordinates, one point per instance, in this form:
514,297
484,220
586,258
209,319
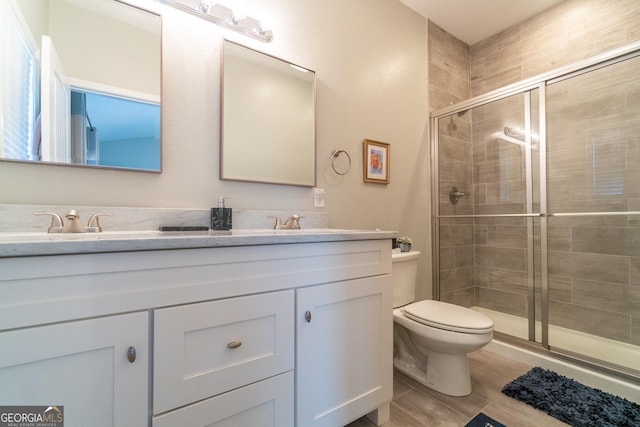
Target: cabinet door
82,366
344,350
267,403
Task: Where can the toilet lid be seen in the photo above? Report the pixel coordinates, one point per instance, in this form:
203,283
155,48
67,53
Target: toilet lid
447,316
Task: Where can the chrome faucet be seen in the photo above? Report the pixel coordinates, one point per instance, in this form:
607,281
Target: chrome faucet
292,223
73,224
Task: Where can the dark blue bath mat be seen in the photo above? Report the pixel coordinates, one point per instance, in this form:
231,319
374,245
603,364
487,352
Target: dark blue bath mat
572,402
481,420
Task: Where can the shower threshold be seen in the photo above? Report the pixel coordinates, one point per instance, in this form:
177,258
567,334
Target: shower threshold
599,362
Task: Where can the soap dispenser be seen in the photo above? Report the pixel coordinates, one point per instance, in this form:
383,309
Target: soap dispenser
221,216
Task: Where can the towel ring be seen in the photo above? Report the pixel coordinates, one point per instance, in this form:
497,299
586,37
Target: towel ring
335,154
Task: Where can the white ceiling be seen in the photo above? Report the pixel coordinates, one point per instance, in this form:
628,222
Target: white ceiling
474,20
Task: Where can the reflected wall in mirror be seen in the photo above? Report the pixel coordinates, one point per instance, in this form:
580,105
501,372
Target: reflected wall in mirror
83,83
268,119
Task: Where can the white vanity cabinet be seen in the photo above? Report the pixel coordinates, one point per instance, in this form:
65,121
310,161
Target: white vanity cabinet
97,369
222,330
344,346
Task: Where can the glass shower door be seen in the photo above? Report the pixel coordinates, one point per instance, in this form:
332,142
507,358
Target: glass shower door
593,188
488,210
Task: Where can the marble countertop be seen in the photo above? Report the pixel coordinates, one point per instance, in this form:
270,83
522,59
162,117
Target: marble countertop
34,244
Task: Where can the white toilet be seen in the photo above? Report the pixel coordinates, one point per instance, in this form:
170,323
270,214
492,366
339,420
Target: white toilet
432,338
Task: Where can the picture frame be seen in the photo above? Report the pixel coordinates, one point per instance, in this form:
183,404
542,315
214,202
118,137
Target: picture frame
377,161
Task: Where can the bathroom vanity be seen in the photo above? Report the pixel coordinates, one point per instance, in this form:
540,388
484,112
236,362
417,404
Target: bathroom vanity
245,329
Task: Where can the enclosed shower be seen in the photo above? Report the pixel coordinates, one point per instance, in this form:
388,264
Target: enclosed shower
536,209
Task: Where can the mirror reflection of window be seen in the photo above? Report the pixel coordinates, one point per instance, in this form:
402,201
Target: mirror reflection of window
113,131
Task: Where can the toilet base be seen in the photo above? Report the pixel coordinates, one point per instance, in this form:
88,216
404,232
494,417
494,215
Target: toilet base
445,373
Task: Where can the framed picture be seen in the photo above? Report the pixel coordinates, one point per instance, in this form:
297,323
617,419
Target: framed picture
377,161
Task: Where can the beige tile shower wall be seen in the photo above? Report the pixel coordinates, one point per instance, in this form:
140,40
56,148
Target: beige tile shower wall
568,32
449,79
448,84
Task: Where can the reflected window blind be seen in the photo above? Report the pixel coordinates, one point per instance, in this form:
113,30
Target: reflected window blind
18,88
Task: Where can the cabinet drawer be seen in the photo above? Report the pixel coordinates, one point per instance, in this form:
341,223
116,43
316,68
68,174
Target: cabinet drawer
205,349
268,403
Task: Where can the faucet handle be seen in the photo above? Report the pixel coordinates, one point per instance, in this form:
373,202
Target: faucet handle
278,223
293,223
94,222
56,222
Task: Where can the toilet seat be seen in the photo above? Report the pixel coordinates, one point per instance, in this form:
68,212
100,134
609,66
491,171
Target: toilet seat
449,317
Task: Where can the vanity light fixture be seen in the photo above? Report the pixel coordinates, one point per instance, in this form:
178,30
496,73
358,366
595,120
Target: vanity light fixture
223,16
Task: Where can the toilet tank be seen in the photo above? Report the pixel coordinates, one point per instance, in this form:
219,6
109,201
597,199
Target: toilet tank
404,266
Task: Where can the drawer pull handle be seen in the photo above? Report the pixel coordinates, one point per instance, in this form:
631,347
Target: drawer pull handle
307,316
234,344
131,354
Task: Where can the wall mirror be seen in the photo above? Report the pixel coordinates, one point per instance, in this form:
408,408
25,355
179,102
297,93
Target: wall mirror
268,119
84,83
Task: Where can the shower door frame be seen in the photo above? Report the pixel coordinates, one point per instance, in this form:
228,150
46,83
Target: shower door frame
539,82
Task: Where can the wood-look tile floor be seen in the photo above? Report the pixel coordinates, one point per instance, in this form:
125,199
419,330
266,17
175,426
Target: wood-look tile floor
415,405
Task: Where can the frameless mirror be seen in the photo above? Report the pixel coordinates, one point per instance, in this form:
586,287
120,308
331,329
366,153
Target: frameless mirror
268,119
83,83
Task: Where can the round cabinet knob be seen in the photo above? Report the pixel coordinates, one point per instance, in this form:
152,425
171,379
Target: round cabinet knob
131,354
307,316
